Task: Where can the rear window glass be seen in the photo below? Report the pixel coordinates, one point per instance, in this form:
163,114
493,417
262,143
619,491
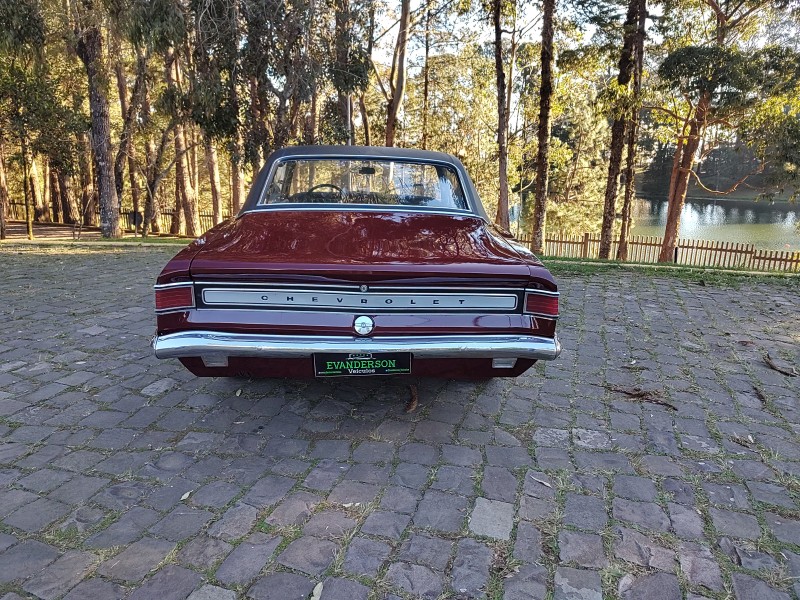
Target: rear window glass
359,181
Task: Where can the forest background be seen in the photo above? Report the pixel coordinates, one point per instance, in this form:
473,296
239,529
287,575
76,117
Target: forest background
558,108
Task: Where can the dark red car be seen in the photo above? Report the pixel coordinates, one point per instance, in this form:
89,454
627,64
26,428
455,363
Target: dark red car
357,261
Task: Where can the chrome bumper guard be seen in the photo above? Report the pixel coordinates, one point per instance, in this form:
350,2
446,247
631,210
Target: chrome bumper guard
212,343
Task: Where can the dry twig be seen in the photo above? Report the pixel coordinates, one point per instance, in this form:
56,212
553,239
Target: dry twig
789,372
641,395
412,404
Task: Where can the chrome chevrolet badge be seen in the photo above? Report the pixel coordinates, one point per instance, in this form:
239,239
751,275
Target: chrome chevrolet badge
363,288
363,325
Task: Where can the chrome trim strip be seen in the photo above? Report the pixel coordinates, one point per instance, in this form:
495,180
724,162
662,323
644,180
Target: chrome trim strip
164,286
207,343
355,286
354,301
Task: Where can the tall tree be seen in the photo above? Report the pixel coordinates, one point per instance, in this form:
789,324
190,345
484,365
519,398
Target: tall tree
397,77
633,130
720,82
543,131
497,10
3,190
620,106
89,48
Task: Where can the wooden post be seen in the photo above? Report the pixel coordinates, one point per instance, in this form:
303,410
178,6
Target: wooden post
585,249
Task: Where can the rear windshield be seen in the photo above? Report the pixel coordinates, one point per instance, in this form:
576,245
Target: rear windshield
358,181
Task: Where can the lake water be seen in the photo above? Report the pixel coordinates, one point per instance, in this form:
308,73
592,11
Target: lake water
769,226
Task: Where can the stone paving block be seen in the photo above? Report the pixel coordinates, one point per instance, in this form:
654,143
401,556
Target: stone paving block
169,583
365,556
96,588
130,526
294,509
247,559
426,550
728,495
634,488
748,588
656,586
268,491
457,480
744,554
281,586
528,583
61,576
329,524
416,580
212,592
735,524
585,512
685,521
25,559
400,499
37,515
336,588
215,494
584,549
352,492
499,484
181,523
577,583
441,511
203,552
637,548
645,514
382,523
528,543
309,555
137,560
236,522
470,572
700,567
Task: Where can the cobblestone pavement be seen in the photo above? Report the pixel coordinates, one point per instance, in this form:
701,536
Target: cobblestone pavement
126,477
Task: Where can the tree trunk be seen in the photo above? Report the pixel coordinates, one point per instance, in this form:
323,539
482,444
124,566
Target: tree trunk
178,223
310,125
397,80
342,25
152,209
633,130
87,180
237,175
618,128
26,185
90,51
127,149
426,79
362,105
682,167
543,132
501,218
41,212
69,208
3,191
183,173
212,164
55,196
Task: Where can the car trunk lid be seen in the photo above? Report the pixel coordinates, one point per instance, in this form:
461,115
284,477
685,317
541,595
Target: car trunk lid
359,246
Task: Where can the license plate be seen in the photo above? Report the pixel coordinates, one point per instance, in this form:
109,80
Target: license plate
341,364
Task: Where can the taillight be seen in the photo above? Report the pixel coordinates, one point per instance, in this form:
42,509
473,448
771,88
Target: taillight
542,304
174,297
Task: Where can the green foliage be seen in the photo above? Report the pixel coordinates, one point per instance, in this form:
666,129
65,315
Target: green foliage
22,26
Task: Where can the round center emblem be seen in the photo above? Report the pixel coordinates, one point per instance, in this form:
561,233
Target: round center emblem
363,325
363,288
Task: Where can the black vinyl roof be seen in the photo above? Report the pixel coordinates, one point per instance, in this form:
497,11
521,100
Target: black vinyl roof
366,151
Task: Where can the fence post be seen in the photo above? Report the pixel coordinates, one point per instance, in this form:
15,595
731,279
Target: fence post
585,247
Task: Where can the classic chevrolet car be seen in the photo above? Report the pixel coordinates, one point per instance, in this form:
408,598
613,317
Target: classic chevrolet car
350,261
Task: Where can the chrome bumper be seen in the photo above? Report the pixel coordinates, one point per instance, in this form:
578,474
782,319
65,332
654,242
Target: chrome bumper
212,343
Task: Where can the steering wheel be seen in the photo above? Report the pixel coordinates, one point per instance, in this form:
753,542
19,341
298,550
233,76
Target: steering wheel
325,185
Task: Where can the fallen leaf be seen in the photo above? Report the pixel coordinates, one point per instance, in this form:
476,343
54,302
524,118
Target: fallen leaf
544,483
186,495
238,392
317,593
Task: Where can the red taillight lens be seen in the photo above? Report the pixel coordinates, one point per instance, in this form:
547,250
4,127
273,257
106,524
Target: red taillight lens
174,298
545,305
